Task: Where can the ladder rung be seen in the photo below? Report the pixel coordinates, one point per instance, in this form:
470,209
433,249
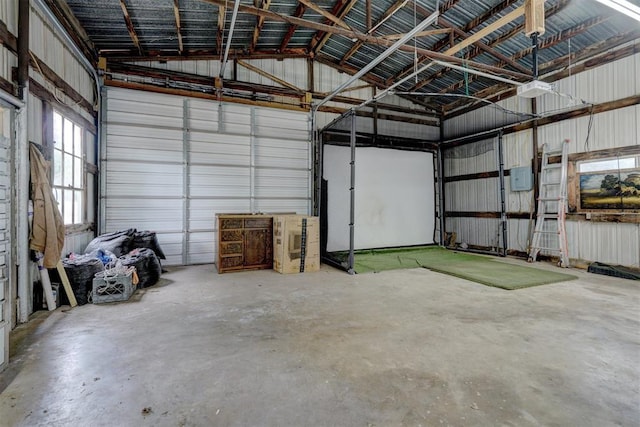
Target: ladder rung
547,249
549,199
552,166
551,183
547,232
547,216
553,152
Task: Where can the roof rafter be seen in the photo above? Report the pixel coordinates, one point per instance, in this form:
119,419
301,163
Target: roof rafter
602,48
369,39
337,21
340,9
130,27
300,9
259,23
222,13
475,51
358,44
176,12
544,44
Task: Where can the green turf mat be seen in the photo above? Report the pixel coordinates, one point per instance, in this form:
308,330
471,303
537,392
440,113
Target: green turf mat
466,266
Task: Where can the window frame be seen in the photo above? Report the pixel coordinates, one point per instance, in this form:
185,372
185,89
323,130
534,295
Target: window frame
575,174
58,178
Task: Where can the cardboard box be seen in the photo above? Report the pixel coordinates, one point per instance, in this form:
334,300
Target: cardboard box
296,244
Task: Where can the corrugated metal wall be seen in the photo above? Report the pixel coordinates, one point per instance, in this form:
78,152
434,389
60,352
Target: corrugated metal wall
5,233
617,243
473,195
326,79
171,163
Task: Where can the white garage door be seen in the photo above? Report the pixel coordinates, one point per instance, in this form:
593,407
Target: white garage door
170,163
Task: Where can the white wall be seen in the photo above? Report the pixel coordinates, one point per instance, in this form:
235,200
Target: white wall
47,45
616,243
395,203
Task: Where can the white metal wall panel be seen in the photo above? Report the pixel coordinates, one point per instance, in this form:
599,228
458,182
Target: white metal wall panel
613,243
478,195
5,234
486,118
34,113
9,15
293,71
189,159
77,242
471,158
483,232
46,45
612,129
143,167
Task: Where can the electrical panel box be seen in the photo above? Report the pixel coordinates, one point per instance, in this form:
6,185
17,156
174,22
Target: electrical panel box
521,179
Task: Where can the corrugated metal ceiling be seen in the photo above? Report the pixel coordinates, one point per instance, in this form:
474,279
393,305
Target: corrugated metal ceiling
572,26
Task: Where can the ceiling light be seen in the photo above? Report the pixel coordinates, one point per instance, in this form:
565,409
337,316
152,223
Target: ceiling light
623,6
534,89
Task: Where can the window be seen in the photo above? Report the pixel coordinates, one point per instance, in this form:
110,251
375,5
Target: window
68,168
610,183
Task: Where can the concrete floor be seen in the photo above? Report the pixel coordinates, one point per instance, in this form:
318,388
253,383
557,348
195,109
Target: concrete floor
408,347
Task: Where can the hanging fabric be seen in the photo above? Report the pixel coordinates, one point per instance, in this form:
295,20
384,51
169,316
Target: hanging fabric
47,232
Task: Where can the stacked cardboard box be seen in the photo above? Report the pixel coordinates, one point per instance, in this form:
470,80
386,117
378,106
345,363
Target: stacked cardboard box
296,244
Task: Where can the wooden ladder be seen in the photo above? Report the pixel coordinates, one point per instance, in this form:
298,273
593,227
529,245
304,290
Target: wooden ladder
550,233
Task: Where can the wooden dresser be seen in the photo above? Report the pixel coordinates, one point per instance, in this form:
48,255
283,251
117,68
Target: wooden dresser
245,242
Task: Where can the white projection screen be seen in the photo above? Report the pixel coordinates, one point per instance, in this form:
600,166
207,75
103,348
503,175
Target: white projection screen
394,197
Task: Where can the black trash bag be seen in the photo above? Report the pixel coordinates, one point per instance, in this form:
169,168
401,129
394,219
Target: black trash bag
147,266
118,242
147,239
80,270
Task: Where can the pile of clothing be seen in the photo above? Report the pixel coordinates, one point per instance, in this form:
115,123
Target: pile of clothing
130,248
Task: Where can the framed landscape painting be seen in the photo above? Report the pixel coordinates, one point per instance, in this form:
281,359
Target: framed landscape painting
619,190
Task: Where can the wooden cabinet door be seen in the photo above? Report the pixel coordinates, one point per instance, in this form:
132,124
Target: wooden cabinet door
258,248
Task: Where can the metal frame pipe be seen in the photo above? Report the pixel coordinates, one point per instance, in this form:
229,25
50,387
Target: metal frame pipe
384,55
503,209
352,192
228,46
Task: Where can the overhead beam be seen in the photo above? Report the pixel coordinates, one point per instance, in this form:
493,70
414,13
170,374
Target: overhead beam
300,9
421,33
358,44
476,37
222,13
375,81
475,50
588,58
176,13
487,15
130,27
384,55
368,38
545,44
259,25
331,17
205,54
269,76
340,9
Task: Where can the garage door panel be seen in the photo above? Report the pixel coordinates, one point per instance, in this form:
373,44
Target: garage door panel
239,158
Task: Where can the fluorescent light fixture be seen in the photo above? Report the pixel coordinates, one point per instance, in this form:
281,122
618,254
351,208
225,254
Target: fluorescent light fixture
623,6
